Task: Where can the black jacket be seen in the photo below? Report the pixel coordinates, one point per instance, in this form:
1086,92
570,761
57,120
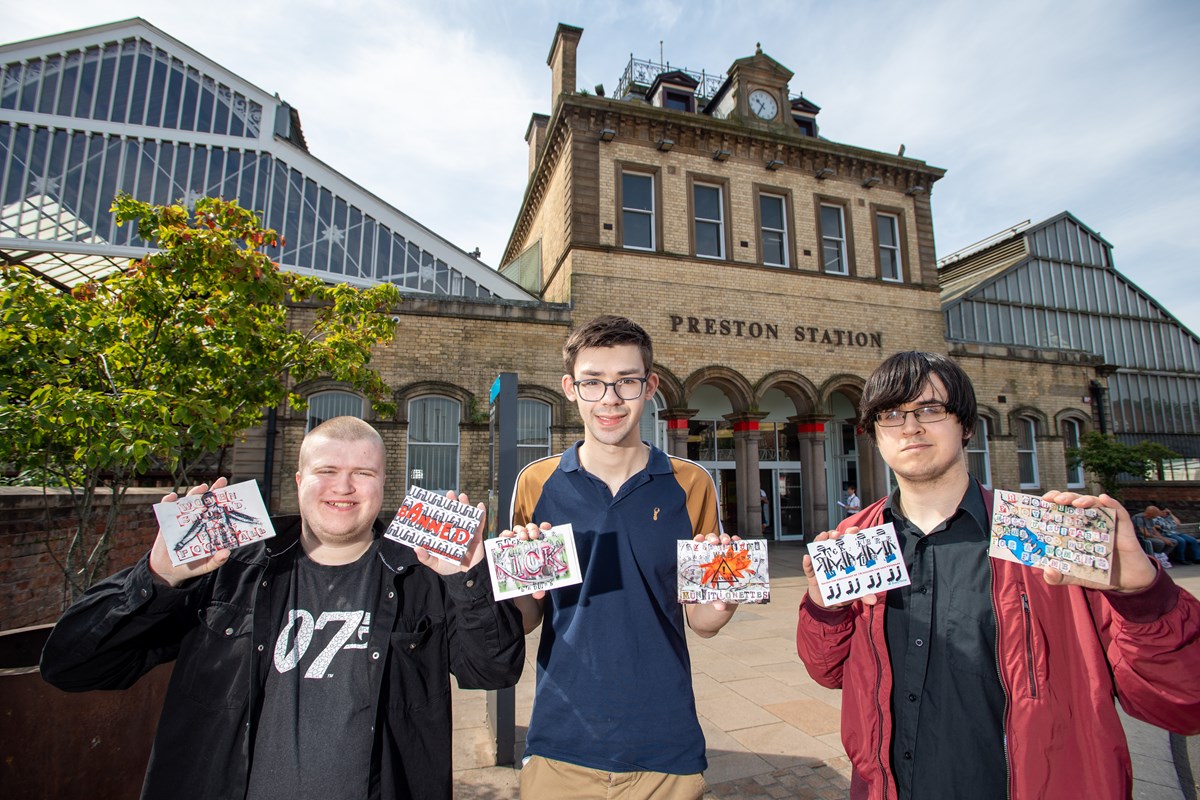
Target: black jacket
219,628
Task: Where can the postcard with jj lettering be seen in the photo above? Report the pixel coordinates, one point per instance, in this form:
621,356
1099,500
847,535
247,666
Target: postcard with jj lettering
856,564
199,525
431,520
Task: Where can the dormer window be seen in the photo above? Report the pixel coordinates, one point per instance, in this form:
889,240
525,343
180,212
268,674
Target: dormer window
674,89
678,101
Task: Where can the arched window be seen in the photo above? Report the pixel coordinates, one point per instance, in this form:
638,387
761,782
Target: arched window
433,443
978,462
652,429
1072,433
533,431
327,405
1027,461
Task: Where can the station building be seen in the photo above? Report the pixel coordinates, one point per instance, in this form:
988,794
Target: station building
773,266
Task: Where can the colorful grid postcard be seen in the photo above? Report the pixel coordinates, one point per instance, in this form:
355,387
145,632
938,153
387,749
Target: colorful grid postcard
1034,532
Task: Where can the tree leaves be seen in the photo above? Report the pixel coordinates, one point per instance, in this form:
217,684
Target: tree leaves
175,356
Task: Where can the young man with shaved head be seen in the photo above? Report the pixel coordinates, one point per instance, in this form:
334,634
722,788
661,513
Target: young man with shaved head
314,664
985,678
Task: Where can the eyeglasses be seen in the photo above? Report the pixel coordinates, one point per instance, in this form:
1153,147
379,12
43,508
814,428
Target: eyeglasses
592,391
933,412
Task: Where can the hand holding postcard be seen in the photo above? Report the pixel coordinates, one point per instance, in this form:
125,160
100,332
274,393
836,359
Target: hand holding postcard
197,526
442,526
1037,533
857,564
522,567
729,573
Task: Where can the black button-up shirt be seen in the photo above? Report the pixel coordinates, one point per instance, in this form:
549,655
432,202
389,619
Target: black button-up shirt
947,700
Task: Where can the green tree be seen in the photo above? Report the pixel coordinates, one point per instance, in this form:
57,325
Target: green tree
1108,459
168,361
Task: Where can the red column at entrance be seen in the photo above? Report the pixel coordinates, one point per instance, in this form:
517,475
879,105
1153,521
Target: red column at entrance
677,429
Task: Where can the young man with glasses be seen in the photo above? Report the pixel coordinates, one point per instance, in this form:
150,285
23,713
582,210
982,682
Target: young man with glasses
984,678
613,714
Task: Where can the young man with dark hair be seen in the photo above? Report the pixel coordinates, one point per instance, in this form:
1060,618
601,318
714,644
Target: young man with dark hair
984,678
314,664
614,715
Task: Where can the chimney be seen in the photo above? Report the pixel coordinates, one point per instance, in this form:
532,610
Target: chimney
535,136
562,61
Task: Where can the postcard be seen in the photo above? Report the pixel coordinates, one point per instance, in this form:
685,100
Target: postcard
732,573
199,525
1075,541
856,564
431,520
523,567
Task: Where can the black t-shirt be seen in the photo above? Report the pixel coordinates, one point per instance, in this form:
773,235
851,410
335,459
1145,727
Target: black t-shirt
314,737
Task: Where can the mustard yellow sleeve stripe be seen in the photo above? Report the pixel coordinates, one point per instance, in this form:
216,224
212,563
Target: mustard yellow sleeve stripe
528,491
701,495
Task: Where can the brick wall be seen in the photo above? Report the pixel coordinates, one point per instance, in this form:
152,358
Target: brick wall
35,529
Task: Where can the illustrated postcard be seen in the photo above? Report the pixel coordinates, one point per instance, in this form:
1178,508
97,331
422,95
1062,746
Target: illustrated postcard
431,520
221,519
524,567
732,573
1037,533
856,564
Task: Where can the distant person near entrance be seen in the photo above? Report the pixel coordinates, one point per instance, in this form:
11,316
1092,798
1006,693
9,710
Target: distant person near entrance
614,715
850,504
984,678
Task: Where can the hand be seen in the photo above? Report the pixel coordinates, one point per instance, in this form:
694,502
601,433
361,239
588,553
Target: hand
528,533
174,575
724,540
1132,570
474,552
814,589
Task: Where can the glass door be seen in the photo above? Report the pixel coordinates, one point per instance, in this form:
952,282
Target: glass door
789,505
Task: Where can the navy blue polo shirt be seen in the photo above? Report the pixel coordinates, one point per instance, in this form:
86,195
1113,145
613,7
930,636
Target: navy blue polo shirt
614,683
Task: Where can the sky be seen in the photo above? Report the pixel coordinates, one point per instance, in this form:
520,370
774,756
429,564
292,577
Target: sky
1033,108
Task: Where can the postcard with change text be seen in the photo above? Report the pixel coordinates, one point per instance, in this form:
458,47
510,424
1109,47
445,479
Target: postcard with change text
523,567
1075,541
856,564
199,525
731,573
431,520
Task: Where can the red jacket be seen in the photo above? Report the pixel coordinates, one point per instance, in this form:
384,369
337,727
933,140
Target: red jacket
1063,651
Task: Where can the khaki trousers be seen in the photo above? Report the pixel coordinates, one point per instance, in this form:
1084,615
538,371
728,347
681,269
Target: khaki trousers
547,779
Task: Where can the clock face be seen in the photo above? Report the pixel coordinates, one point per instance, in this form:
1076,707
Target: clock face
763,104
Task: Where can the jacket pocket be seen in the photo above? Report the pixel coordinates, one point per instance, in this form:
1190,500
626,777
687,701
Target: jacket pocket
213,668
1029,648
419,664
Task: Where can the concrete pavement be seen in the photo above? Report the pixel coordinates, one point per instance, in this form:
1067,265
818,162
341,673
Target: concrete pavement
772,732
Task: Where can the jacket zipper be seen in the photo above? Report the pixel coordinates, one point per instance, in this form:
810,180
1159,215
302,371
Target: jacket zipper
1033,689
878,707
1003,687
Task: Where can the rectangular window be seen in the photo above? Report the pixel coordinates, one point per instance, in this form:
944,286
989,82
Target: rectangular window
637,210
1027,452
833,240
772,215
978,463
1071,441
710,222
533,431
887,230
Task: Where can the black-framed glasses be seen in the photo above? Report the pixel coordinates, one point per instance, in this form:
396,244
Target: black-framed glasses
591,390
931,412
